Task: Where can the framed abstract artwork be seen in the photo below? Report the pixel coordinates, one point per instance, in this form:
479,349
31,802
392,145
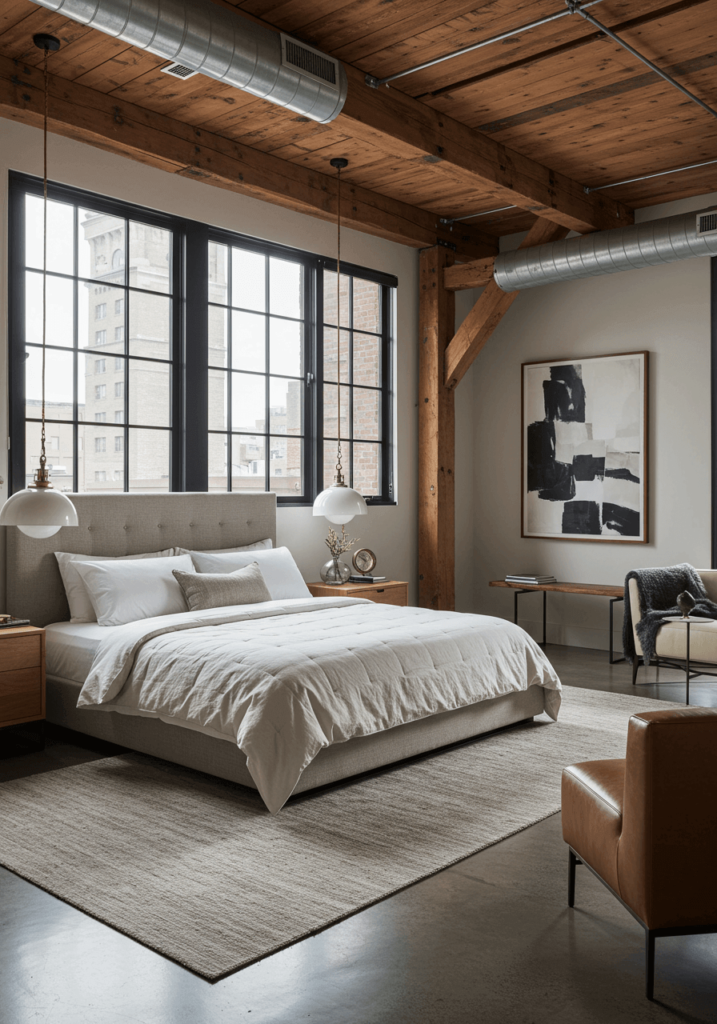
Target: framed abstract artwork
584,429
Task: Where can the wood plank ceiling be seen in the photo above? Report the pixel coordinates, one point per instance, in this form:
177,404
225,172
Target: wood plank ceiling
563,95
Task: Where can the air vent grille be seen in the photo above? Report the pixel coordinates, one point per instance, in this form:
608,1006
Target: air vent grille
178,71
309,62
707,223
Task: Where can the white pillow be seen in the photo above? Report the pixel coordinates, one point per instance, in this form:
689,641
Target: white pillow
256,546
81,609
280,571
136,589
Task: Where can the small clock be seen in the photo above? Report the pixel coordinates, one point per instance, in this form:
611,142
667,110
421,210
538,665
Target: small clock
364,561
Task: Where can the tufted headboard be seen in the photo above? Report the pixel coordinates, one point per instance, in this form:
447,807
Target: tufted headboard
128,524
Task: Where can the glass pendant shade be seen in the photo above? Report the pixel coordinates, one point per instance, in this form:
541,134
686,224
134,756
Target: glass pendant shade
339,504
38,512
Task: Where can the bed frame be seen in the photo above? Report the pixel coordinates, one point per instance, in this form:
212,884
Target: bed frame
130,524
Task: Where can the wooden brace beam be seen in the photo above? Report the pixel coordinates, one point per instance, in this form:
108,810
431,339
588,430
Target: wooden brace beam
476,274
109,123
489,310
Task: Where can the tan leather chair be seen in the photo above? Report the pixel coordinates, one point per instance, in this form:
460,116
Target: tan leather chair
672,638
646,826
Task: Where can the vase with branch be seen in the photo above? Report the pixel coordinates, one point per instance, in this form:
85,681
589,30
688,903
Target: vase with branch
335,572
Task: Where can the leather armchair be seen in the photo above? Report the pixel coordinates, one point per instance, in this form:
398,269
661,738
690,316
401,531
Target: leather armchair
646,825
672,638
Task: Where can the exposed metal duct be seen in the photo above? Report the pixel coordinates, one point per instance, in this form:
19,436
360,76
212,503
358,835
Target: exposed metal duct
608,252
222,44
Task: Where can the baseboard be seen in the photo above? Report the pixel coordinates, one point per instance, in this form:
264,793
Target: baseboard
567,635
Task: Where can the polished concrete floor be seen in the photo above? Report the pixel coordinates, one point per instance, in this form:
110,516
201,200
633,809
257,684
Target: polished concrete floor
489,940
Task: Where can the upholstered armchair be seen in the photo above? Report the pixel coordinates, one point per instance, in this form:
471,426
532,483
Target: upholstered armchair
646,825
672,638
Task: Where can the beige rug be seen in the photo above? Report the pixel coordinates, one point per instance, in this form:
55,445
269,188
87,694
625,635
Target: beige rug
198,870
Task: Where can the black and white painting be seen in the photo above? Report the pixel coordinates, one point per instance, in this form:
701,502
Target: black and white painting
584,448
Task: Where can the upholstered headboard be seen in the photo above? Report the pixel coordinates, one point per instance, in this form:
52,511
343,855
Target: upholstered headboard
128,524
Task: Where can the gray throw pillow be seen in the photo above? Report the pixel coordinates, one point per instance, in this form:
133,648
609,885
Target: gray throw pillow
218,590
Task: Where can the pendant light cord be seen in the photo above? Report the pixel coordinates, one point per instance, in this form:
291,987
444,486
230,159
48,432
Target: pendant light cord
43,457
339,474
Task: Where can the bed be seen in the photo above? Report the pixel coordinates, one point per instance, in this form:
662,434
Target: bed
130,524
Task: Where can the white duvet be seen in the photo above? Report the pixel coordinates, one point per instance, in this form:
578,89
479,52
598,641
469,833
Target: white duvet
286,678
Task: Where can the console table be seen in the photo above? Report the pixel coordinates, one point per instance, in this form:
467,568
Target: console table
593,589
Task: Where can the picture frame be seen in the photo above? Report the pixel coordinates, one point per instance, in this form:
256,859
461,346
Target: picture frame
584,448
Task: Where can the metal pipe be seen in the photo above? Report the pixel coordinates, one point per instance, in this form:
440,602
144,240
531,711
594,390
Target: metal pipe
608,252
575,8
374,82
645,177
470,216
220,43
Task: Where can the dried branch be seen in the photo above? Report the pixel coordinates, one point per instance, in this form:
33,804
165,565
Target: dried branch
338,545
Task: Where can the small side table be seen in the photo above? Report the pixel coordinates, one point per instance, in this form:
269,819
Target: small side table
687,621
22,678
388,592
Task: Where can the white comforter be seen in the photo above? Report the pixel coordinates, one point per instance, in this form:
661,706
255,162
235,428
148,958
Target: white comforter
286,678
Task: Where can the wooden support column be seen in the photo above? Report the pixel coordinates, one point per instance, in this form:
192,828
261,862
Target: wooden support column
436,437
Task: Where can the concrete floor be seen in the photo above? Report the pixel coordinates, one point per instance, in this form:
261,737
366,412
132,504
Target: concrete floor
489,940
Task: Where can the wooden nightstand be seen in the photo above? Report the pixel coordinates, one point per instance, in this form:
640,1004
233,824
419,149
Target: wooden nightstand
22,675
390,592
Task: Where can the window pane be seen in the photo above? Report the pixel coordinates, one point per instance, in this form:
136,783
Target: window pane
286,406
285,465
330,355
248,462
149,460
367,359
100,311
366,415
149,388
218,400
60,235
330,462
218,276
366,305
286,288
101,247
218,462
149,325
59,390
330,400
367,468
330,311
248,403
60,317
100,467
217,336
248,342
59,450
150,257
285,336
248,280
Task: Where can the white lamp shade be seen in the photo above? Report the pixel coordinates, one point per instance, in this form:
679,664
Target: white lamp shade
339,504
38,512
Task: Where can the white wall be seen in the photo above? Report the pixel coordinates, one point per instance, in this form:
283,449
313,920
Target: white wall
390,531
665,310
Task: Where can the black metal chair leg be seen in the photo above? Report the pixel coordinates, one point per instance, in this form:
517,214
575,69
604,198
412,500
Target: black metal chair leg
572,864
649,964
635,666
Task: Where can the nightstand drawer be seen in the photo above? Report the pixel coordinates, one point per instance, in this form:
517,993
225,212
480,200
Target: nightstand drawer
20,694
388,595
20,652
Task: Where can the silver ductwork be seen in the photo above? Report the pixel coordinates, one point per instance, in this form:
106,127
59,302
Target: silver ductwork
222,44
608,252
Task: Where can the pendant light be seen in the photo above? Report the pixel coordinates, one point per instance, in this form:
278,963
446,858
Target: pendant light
39,510
339,503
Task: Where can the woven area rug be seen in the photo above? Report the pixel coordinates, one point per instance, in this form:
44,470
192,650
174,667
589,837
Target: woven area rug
198,870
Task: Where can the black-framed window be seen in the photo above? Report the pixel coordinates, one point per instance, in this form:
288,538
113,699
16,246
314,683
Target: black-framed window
185,357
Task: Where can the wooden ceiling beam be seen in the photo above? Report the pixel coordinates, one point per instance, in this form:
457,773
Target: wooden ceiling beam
109,123
489,310
405,127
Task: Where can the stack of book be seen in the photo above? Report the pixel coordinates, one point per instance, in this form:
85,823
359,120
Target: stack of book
367,579
530,579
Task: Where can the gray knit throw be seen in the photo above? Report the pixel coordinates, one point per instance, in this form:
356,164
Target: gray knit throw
658,597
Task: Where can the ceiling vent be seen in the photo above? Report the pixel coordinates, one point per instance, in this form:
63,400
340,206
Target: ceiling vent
310,62
707,224
178,71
